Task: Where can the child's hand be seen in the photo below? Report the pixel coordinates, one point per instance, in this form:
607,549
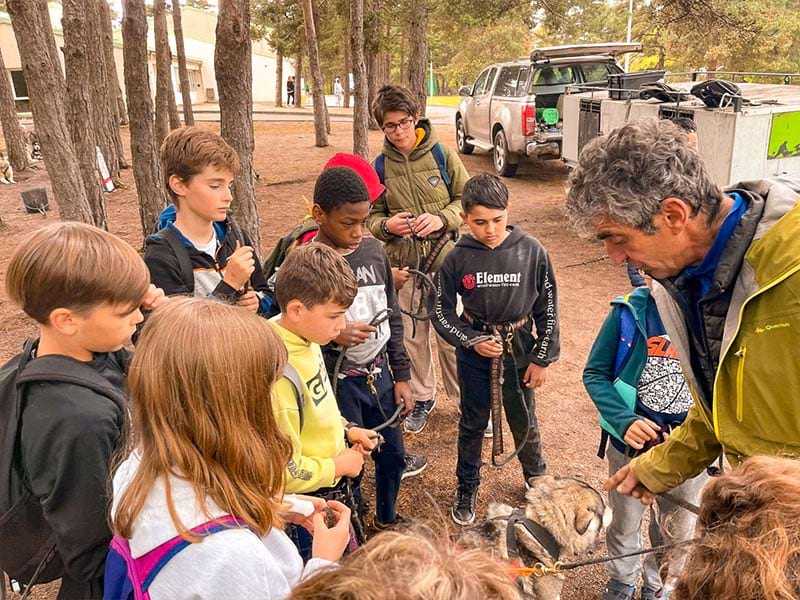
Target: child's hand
400,276
399,224
303,520
329,542
489,348
427,224
364,440
239,267
249,301
355,332
349,463
402,395
535,376
153,298
640,432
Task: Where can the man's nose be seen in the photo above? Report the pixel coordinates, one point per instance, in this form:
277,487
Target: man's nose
615,253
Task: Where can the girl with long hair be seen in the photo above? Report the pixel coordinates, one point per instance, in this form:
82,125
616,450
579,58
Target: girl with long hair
205,448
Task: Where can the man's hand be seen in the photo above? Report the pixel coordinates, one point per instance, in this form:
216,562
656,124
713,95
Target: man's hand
535,376
640,432
427,224
402,395
249,301
349,463
400,276
153,298
627,484
399,224
239,267
363,440
489,348
354,333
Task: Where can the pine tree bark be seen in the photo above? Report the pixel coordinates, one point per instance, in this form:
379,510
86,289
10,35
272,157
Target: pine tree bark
120,112
42,71
418,51
372,86
183,72
298,80
16,144
81,114
144,152
234,70
279,78
164,110
320,126
347,68
360,108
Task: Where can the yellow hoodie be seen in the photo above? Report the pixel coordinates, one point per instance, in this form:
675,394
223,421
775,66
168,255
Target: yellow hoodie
323,437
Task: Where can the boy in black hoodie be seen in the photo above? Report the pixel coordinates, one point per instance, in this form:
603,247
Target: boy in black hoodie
507,285
198,250
85,288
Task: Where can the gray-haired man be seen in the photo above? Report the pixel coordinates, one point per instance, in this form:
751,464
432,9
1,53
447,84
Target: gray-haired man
727,266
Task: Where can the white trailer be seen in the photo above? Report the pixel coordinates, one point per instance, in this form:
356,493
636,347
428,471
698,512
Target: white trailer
760,139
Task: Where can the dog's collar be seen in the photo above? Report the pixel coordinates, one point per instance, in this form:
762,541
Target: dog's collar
539,533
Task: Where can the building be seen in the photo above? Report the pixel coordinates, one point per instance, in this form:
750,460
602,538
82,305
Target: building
199,37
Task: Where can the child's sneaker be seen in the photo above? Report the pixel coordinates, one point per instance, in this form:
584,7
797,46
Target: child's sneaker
489,431
415,464
651,594
463,509
415,422
400,522
616,590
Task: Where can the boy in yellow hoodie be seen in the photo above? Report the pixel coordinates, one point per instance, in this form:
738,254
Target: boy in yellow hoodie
315,286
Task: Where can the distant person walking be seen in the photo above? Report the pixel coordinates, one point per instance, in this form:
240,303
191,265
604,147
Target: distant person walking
290,91
338,91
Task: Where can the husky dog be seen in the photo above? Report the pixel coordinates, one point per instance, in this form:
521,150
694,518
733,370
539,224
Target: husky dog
6,172
34,145
562,518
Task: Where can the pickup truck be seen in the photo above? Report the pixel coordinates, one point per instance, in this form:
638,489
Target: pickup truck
514,108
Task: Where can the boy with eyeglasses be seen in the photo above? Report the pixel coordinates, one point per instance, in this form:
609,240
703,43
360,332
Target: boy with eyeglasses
417,218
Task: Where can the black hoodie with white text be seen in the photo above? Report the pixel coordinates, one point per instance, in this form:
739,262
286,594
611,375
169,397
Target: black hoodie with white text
500,285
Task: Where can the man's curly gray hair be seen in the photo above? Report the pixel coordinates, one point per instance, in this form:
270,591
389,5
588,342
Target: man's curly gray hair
624,176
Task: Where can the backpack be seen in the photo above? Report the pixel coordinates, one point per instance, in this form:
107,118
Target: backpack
129,578
439,157
27,544
275,259
293,377
714,91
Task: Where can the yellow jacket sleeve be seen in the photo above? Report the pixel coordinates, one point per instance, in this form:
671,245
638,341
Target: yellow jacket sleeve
688,450
306,472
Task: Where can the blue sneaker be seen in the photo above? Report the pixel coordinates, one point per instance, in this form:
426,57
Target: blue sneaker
616,590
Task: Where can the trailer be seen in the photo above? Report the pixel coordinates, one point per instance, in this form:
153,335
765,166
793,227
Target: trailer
750,139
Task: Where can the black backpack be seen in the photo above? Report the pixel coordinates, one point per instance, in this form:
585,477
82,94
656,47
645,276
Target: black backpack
714,91
27,544
275,259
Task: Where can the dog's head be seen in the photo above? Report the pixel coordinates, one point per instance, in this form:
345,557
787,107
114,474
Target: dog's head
571,510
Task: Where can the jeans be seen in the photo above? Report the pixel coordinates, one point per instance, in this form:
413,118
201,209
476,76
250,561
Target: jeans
668,524
358,404
475,412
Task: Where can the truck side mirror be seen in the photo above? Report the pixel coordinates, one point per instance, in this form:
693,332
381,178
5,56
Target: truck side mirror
464,90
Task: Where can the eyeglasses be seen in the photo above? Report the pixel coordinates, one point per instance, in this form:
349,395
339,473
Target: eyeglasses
402,124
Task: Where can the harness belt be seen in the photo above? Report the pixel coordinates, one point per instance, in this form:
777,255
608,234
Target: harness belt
539,533
504,334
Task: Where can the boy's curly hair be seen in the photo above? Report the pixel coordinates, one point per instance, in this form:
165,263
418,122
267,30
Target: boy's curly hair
417,564
750,535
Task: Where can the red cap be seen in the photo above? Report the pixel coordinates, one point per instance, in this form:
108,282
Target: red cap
368,175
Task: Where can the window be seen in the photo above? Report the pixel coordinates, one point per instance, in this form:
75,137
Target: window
480,83
595,72
490,80
522,81
507,81
21,100
194,79
552,75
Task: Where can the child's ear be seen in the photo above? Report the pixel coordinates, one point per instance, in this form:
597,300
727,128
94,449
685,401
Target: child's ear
317,214
177,185
64,321
463,216
294,310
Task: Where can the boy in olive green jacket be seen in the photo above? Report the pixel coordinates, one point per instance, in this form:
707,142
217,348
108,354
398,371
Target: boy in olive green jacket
422,203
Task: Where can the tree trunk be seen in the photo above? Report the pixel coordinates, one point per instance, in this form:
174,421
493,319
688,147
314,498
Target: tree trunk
418,51
360,108
320,129
347,69
186,92
372,87
81,114
279,78
42,71
120,112
163,71
16,144
144,152
234,69
298,80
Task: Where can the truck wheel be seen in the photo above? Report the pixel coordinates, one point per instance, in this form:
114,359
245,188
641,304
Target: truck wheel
502,157
464,147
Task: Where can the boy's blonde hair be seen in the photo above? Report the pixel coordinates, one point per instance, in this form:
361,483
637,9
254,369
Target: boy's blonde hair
412,565
315,274
201,387
186,151
75,266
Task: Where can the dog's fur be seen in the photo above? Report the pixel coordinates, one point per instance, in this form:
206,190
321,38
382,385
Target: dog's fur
572,511
6,172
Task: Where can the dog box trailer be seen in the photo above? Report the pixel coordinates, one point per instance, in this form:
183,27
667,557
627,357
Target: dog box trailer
758,138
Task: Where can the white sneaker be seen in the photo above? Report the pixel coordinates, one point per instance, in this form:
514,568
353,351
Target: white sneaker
488,432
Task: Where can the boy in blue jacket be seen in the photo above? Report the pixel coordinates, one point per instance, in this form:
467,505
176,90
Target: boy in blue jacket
634,377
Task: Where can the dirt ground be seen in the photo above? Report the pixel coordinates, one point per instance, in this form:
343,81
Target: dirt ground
289,163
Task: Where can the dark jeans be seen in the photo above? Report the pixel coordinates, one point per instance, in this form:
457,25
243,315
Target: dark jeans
475,411
358,404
